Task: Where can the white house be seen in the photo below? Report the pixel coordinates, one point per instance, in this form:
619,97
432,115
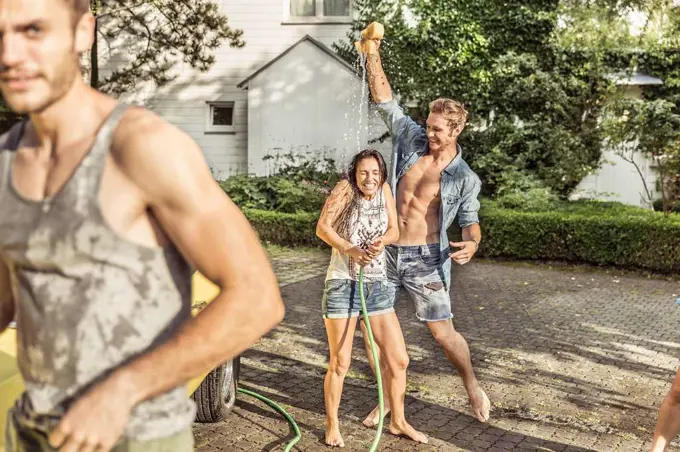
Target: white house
307,100
618,179
287,91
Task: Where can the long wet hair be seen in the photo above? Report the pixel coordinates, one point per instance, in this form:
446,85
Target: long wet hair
343,224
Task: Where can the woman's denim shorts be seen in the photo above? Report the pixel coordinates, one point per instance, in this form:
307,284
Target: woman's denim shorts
341,298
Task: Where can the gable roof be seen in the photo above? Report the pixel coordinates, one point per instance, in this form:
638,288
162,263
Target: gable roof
306,38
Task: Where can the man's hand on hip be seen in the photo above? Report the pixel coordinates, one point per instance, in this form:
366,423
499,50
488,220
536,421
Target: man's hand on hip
467,251
96,421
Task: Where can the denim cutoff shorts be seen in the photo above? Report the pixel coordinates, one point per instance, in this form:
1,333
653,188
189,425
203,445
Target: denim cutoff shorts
341,298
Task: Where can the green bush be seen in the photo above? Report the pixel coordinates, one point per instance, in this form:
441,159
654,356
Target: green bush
278,193
301,184
303,168
584,232
519,190
587,232
675,205
584,207
286,229
525,221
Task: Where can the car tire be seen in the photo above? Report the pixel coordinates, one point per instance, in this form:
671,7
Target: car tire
216,396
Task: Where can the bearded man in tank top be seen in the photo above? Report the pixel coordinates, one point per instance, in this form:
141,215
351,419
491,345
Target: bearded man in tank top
104,213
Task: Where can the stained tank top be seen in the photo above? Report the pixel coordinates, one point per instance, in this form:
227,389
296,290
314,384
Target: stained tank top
86,299
368,223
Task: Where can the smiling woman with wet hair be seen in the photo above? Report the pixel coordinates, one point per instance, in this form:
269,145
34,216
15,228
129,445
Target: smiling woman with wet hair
358,220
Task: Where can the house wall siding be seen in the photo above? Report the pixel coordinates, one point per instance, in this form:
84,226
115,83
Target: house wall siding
183,102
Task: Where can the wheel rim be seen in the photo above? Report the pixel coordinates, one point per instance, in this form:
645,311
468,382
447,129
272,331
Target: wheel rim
228,376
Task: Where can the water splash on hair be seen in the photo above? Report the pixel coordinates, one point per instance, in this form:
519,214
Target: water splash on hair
354,118
363,101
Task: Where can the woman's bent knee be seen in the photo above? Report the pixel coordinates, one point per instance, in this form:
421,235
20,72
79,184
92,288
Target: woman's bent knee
339,365
398,362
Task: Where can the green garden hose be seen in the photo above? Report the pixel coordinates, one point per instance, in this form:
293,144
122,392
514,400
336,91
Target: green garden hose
381,403
274,405
374,352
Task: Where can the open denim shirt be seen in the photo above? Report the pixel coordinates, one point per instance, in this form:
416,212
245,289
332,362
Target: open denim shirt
459,188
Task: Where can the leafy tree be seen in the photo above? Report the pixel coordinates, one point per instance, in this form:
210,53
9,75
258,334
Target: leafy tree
159,32
652,128
153,35
434,47
533,104
651,125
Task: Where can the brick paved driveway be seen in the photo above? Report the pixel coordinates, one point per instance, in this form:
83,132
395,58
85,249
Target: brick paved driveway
572,360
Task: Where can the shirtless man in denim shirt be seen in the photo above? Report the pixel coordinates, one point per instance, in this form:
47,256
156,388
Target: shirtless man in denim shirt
433,185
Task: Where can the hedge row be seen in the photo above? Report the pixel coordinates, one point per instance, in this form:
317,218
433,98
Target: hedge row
649,242
620,237
286,229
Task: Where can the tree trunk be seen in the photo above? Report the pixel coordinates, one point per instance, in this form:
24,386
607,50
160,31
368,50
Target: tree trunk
94,66
631,159
665,202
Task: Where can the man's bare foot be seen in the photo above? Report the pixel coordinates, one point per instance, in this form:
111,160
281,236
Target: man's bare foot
481,406
373,419
403,428
333,437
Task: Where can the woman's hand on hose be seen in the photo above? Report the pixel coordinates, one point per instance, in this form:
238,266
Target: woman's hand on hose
359,255
377,247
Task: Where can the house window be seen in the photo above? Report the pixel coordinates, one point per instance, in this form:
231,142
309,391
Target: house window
319,10
220,117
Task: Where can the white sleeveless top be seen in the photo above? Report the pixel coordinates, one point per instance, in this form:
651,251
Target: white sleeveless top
369,223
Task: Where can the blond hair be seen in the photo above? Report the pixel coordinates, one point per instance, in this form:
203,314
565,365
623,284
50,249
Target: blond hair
453,111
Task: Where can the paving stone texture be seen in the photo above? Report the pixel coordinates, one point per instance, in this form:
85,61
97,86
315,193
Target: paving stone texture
573,359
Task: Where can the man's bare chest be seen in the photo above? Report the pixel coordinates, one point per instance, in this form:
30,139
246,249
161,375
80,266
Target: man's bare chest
422,181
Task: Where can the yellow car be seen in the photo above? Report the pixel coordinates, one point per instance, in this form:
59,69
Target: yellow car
214,392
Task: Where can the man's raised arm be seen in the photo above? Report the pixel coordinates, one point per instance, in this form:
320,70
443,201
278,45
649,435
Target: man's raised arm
377,80
395,119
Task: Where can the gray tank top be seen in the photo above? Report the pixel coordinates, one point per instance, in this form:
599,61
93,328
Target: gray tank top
87,300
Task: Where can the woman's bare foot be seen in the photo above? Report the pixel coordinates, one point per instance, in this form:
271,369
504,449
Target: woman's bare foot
333,437
403,428
373,419
481,406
